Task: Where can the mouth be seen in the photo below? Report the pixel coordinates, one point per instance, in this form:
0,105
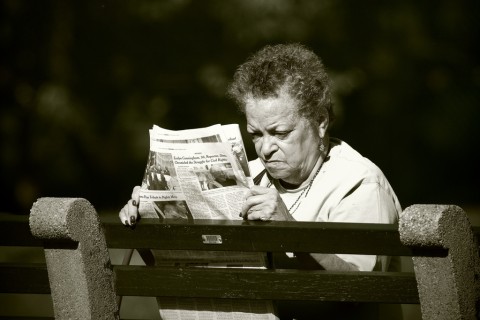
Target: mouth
273,163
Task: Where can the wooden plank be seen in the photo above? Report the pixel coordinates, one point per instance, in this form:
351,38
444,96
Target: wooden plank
273,236
260,236
24,278
25,318
267,284
15,231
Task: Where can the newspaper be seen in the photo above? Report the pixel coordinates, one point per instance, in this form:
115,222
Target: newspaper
192,174
195,174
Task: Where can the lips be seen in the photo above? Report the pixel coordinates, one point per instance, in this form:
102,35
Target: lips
270,161
273,164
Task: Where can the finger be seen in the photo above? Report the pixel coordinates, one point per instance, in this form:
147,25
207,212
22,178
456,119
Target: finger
258,190
246,206
263,197
255,196
257,209
250,202
123,215
132,213
136,195
258,215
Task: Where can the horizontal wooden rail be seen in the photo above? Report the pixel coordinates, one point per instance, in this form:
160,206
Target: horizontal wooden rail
258,236
273,236
28,318
15,231
24,278
316,285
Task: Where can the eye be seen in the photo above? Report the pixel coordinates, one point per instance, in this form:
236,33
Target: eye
255,135
282,134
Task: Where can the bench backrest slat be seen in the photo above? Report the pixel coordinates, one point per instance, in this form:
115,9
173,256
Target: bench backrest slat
15,231
274,236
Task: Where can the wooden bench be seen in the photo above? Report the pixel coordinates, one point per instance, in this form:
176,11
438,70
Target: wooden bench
84,284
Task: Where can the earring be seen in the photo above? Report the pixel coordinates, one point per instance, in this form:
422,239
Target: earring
321,147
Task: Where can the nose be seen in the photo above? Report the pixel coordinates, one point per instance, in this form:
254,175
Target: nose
268,147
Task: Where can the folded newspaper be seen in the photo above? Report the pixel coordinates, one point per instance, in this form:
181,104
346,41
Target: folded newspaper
200,174
195,174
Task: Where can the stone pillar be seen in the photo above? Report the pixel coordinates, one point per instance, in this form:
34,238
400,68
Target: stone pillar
78,262
447,286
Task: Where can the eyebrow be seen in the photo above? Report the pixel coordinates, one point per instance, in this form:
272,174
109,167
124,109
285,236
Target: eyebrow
283,126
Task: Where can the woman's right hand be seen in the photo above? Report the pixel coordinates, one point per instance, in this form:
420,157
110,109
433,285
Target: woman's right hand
129,213
264,204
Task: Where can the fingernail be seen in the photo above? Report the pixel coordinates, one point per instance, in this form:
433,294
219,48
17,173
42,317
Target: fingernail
132,219
134,202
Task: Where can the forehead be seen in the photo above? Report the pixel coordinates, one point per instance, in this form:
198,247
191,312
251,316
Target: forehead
271,110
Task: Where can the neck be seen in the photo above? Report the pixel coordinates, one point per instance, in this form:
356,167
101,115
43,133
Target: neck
287,185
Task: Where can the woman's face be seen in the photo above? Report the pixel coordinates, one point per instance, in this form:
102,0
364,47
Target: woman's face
285,142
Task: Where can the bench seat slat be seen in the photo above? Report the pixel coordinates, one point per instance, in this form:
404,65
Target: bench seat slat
280,284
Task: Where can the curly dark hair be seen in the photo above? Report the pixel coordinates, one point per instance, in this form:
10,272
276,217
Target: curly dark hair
293,67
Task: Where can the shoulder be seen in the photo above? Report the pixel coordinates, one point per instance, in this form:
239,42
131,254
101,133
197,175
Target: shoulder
345,161
350,188
346,170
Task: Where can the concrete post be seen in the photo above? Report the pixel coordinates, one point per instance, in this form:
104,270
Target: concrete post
80,273
448,287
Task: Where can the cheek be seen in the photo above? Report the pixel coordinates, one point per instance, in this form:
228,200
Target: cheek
293,153
258,146
298,150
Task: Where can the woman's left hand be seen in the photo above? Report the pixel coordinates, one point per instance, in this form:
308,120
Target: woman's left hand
264,204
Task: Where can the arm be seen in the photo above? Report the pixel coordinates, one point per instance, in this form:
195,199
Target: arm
266,204
369,202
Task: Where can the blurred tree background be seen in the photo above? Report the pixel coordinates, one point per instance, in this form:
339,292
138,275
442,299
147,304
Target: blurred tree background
81,82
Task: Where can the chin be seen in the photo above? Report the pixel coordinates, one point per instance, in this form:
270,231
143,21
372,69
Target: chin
278,170
277,174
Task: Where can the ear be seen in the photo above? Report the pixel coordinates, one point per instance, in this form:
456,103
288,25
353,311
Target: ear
323,127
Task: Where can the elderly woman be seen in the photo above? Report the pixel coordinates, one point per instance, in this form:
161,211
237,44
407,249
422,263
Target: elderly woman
301,172
304,174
